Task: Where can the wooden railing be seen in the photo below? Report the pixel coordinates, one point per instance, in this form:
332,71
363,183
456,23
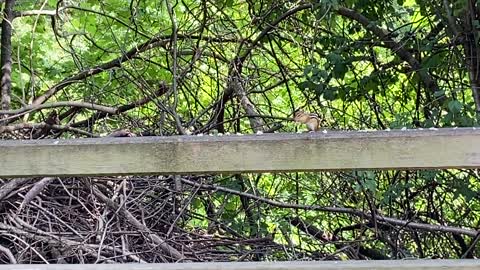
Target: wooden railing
410,149
301,265
333,150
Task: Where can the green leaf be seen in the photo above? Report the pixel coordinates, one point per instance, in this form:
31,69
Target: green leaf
371,85
459,6
433,61
330,93
455,106
335,58
339,70
371,185
319,88
307,70
428,174
466,192
448,119
307,85
439,93
476,24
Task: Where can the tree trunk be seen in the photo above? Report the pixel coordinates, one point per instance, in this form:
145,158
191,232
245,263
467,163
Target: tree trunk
472,51
6,53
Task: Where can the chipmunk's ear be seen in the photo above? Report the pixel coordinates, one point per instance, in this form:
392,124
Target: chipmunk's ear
299,110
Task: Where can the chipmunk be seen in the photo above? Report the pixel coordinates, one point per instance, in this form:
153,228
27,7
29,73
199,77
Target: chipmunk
122,133
310,119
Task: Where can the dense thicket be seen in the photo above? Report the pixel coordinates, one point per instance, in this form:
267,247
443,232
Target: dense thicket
84,68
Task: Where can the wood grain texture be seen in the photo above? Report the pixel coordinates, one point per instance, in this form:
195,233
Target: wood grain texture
319,265
413,149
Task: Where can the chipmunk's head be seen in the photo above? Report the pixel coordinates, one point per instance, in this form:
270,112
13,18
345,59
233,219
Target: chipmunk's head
298,112
300,116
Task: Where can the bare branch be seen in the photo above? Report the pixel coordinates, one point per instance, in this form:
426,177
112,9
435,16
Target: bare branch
79,104
167,248
361,214
152,43
99,115
27,13
21,126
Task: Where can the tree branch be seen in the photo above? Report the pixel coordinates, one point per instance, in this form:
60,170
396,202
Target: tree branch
397,48
235,71
117,62
162,244
26,13
20,126
78,104
361,214
99,115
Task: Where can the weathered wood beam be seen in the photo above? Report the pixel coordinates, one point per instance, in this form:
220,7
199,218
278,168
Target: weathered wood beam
311,265
340,150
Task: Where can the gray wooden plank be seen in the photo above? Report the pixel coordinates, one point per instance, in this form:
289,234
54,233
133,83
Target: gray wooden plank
339,150
311,265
